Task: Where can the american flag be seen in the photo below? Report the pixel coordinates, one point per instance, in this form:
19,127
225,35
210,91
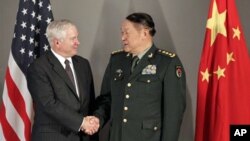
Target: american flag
29,42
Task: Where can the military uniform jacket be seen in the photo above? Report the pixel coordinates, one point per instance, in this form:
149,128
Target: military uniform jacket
146,105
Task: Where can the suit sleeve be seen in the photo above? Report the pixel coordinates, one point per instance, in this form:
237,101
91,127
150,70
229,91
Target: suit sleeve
43,95
103,102
174,100
92,90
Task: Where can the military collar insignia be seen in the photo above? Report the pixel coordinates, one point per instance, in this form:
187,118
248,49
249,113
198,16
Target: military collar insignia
178,71
150,55
149,69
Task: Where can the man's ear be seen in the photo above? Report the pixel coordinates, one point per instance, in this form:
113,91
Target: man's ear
145,33
56,43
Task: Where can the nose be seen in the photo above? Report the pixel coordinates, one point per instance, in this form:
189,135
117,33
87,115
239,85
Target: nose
123,37
77,42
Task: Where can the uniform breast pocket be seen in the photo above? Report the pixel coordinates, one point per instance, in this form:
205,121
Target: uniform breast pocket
151,130
149,82
149,85
148,79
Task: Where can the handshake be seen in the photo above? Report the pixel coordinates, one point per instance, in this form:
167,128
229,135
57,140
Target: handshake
90,125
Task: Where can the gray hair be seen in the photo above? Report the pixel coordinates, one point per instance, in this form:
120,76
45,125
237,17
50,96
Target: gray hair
57,29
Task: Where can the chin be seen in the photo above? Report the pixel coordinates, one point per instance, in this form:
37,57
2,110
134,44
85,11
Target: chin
126,49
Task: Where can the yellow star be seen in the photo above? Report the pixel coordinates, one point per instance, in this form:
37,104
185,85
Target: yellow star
205,75
220,72
236,32
216,23
230,57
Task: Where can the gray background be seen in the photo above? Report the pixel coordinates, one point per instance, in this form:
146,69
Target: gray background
180,26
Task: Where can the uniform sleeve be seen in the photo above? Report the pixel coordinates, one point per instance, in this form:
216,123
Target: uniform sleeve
103,102
174,100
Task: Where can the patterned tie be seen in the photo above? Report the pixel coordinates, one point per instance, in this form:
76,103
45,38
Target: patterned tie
135,61
69,72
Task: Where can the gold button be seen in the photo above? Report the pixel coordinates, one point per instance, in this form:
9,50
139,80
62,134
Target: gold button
129,84
155,128
125,120
125,108
127,96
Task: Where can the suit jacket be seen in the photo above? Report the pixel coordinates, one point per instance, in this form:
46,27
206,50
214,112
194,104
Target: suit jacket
58,110
147,104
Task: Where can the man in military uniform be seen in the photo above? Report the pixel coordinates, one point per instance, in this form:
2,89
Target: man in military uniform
143,98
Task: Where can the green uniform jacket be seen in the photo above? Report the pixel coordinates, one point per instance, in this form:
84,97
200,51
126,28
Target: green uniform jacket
147,105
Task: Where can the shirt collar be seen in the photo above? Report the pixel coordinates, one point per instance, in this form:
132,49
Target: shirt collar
140,55
61,58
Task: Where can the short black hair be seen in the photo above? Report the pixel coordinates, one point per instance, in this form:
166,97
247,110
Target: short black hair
143,19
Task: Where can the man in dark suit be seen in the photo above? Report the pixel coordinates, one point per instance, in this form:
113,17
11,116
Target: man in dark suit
62,88
143,97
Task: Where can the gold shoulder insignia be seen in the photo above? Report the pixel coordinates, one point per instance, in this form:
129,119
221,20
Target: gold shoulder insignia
164,52
117,51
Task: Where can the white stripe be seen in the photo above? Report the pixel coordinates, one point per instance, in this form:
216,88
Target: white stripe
21,83
12,115
1,134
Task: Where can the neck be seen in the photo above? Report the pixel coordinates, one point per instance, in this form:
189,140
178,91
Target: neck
143,48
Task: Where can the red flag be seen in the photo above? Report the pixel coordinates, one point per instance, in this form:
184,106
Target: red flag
29,42
224,75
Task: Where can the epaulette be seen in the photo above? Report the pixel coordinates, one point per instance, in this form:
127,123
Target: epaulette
166,53
117,51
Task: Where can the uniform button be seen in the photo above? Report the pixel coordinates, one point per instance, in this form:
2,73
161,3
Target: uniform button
125,108
127,96
115,79
125,120
148,81
129,85
155,128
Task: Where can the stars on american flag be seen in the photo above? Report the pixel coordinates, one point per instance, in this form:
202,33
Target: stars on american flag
24,11
22,51
24,24
29,39
39,17
23,37
40,4
33,14
32,27
49,8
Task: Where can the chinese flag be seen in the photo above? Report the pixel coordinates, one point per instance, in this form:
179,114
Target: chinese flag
224,75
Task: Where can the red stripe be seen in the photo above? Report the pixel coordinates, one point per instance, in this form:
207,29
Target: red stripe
8,132
19,103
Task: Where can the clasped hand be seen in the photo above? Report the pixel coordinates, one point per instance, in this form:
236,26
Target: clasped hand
90,125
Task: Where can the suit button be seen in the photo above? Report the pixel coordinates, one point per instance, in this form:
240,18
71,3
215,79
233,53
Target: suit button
129,84
125,120
155,128
125,108
127,96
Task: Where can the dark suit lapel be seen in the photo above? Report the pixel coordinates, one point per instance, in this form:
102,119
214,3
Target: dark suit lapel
58,68
145,60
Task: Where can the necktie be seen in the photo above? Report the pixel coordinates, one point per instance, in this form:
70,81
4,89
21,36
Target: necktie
69,72
134,63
